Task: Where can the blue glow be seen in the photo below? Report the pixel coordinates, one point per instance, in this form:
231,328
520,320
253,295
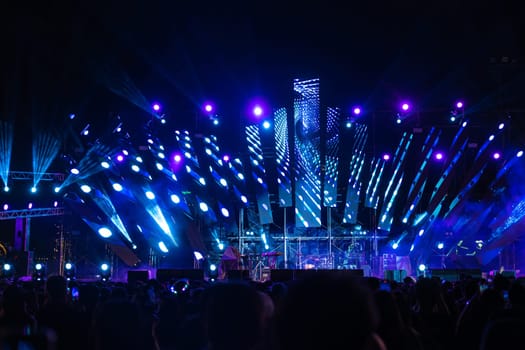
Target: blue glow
117,187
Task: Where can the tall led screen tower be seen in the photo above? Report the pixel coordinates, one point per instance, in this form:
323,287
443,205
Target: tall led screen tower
307,155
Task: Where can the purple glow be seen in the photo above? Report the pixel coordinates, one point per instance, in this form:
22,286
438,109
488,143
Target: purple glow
257,111
386,156
357,110
120,158
156,107
208,108
439,156
459,104
226,158
496,155
405,107
177,158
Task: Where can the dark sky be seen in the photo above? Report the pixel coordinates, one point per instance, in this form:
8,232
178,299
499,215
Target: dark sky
95,58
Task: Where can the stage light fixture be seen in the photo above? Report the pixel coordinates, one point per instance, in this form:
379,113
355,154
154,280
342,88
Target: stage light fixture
459,105
69,271
6,188
8,270
74,171
266,124
257,111
33,189
156,107
213,272
356,110
440,245
105,232
6,206
519,154
104,272
39,272
496,155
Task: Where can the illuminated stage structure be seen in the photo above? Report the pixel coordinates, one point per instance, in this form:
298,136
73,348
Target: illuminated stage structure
317,189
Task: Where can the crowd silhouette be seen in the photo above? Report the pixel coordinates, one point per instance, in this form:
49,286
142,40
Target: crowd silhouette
320,311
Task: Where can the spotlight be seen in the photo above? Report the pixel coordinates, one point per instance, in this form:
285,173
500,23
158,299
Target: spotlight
213,272
6,188
156,107
266,124
208,107
459,105
405,107
105,272
105,232
8,270
69,271
39,272
357,110
257,111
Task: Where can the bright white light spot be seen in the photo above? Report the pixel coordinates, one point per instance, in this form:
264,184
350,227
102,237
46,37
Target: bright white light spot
501,126
104,164
150,195
6,189
68,266
105,232
395,245
104,267
440,245
162,247
422,267
6,206
159,166
75,171
223,182
175,199
161,155
213,267
244,199
240,176
221,246
225,212
139,159
202,181
33,189
203,206
491,137
117,187
39,266
30,205
519,154
135,168
7,267
85,188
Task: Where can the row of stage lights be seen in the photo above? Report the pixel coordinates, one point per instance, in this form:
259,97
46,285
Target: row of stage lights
40,271
457,113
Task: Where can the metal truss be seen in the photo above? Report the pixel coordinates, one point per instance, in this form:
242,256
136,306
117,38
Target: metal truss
28,175
31,213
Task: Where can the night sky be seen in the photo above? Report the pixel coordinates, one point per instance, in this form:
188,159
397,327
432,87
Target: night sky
101,58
